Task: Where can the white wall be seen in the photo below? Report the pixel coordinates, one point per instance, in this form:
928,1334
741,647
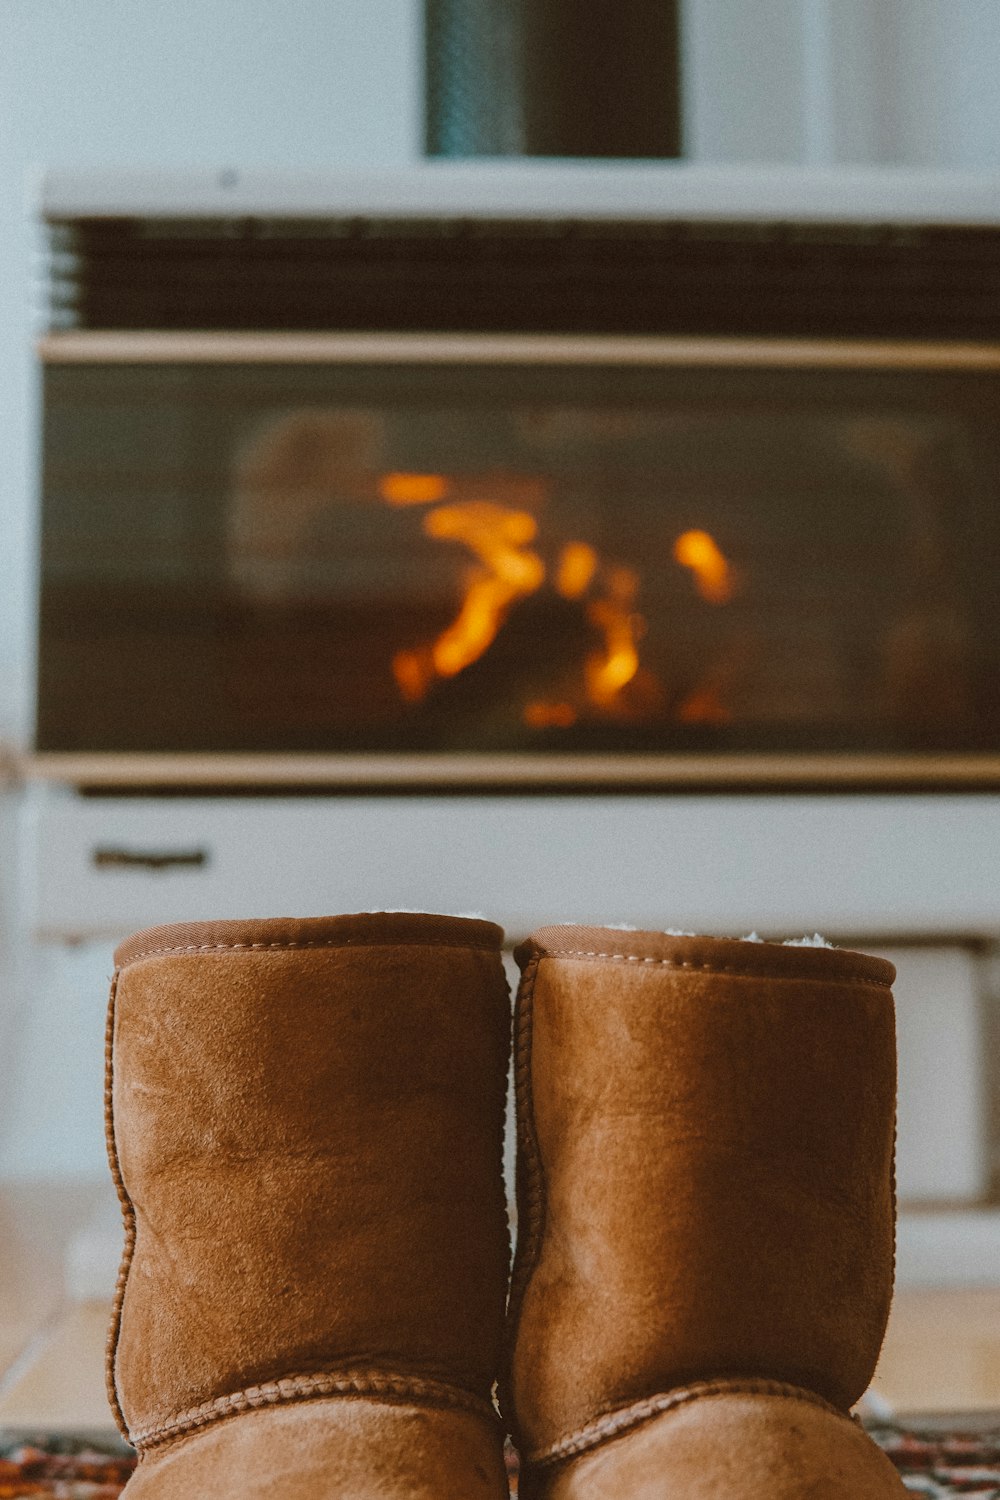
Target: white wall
821,81
939,96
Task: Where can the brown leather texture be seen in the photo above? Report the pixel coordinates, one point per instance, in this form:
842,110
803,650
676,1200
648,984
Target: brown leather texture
731,1446
705,1183
329,1450
305,1122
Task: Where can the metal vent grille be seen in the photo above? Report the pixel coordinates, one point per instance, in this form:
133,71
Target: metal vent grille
829,280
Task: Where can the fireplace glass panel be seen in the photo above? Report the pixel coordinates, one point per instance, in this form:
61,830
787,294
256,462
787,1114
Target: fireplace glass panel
470,557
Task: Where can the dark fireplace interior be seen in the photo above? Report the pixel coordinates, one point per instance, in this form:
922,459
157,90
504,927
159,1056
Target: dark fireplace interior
481,556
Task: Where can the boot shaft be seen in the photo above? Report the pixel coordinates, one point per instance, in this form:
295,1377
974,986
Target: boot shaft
706,1192
305,1121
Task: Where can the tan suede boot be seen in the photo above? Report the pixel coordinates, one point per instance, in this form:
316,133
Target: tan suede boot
305,1123
705,1240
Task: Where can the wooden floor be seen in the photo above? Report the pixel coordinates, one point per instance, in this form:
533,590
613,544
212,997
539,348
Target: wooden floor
941,1353
37,1221
60,1386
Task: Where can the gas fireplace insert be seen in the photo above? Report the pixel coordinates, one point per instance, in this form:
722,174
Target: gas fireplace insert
579,496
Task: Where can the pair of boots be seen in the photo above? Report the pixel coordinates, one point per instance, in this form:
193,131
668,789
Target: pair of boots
305,1125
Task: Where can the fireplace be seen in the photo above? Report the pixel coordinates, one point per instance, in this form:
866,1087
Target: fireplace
547,498
706,460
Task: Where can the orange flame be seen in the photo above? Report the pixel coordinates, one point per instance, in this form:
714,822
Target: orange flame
412,489
542,715
498,536
607,672
713,577
414,673
704,706
575,569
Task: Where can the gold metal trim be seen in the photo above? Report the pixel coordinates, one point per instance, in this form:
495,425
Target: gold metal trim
153,347
102,769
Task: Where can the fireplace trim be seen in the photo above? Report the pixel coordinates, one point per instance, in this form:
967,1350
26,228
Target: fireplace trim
110,770
705,351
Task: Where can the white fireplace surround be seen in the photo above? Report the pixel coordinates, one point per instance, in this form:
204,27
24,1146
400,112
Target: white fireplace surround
891,867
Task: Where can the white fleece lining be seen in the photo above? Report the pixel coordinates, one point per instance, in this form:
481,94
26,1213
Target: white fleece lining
421,911
816,941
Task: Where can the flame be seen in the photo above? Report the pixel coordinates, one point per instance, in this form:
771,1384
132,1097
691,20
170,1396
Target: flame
414,673
607,672
498,536
575,569
713,577
542,715
704,706
413,489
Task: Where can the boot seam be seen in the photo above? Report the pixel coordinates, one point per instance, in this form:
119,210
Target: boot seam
128,1213
298,947
616,1423
733,970
531,1211
349,1382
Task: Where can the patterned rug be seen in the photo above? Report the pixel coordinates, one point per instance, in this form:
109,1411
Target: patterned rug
62,1468
935,1465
